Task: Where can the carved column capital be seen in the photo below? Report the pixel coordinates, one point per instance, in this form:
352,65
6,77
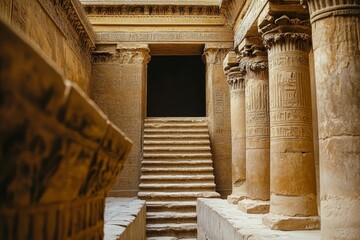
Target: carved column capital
124,54
235,78
133,53
215,54
329,8
289,34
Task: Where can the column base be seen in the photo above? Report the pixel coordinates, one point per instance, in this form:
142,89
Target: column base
235,198
288,223
254,206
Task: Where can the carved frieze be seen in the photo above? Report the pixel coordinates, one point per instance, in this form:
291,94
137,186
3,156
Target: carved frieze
123,55
170,10
76,27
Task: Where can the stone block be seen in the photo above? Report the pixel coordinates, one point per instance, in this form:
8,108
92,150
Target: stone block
57,158
254,206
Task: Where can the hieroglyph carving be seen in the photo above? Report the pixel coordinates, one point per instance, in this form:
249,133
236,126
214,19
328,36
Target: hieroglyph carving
168,10
173,36
290,99
123,56
80,30
248,20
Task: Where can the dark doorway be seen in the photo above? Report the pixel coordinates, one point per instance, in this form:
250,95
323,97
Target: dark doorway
176,86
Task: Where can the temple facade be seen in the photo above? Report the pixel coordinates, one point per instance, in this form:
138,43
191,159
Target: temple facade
243,119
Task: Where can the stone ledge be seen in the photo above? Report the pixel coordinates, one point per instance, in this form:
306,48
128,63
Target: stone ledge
219,220
125,218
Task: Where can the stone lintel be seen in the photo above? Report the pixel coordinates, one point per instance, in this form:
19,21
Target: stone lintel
254,206
132,46
287,223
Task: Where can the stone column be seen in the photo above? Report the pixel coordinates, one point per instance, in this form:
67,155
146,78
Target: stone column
336,43
236,82
218,112
118,86
292,168
257,128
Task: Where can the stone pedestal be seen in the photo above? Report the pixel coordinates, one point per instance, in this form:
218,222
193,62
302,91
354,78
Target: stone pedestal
118,86
218,111
236,82
336,29
293,185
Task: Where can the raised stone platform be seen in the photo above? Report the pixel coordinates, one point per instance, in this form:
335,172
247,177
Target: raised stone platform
219,220
125,218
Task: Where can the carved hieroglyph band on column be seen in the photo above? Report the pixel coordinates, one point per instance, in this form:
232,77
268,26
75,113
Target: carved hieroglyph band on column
257,122
124,54
293,184
236,82
336,43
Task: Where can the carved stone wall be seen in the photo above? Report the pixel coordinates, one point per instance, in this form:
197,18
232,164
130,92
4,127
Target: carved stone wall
60,29
218,111
59,153
118,86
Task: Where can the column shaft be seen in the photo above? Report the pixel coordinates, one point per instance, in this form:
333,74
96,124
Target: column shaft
257,125
336,29
236,82
292,170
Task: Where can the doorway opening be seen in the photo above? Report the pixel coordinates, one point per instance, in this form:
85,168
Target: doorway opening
176,87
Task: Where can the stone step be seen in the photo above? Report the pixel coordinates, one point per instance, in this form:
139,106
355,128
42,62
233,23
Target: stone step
173,206
176,196
174,178
177,120
177,187
175,163
177,170
175,131
185,142
156,125
179,230
188,137
172,149
170,217
205,155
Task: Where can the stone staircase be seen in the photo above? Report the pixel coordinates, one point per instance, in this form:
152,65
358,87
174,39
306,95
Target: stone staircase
176,170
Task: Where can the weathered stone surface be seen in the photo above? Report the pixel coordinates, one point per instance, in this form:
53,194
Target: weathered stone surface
59,155
118,88
218,110
254,206
125,218
293,182
335,30
236,82
254,64
219,220
65,36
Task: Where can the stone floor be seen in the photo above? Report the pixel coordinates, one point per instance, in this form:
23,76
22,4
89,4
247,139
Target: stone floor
124,219
219,220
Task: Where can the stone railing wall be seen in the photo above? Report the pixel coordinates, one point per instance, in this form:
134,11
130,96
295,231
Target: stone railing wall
59,153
